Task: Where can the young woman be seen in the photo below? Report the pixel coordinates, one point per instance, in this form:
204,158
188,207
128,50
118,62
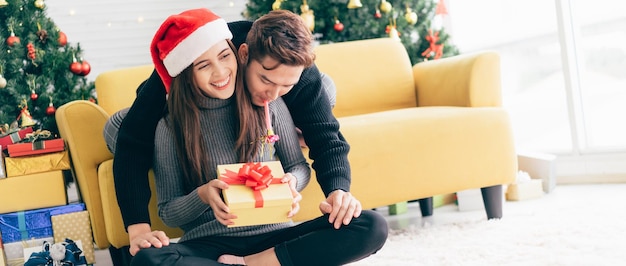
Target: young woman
214,120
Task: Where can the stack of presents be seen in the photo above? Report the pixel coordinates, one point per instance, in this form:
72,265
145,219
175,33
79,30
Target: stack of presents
34,209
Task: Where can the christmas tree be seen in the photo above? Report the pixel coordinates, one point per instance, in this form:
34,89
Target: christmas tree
39,69
418,23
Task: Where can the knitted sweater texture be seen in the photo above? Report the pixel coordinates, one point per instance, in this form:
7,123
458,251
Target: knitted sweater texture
185,209
307,102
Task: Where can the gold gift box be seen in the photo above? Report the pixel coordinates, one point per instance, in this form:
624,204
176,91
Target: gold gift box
277,198
531,189
75,226
19,166
32,191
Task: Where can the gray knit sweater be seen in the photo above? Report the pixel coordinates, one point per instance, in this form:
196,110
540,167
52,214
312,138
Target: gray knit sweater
219,122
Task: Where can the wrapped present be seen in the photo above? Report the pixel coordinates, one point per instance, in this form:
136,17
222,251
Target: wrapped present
32,191
75,226
3,173
524,187
36,147
3,257
14,137
65,252
18,226
15,250
256,194
18,166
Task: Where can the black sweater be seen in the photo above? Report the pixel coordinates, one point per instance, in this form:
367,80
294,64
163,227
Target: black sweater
307,103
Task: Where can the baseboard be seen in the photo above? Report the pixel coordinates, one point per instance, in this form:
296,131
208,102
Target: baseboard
592,179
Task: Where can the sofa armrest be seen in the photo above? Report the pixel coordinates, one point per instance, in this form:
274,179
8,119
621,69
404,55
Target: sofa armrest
468,80
80,124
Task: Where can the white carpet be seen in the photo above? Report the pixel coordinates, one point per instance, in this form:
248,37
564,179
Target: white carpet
573,225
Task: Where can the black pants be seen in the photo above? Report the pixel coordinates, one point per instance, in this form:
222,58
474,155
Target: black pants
314,242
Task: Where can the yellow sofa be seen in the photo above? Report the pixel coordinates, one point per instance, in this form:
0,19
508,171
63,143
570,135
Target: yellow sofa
415,131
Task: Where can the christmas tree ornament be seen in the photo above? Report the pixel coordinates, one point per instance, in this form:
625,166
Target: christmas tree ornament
33,95
51,109
41,33
441,8
338,26
85,68
62,39
3,3
26,118
385,6
3,82
39,4
12,40
410,16
276,4
392,31
354,4
307,15
434,50
377,14
32,54
75,66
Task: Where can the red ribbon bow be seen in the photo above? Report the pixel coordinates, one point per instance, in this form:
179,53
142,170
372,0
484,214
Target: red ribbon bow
255,176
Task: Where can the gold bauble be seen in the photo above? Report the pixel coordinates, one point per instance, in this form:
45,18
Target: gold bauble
411,17
276,4
39,4
354,4
308,16
385,6
3,3
3,82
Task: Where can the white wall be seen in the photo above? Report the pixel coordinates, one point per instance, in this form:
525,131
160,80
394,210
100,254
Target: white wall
116,33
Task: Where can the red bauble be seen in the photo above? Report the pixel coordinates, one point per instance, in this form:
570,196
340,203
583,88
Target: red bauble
338,26
85,68
12,40
51,109
378,14
76,68
34,96
91,99
62,38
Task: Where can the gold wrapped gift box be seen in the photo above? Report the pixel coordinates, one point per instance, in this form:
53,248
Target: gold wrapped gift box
19,166
276,198
32,191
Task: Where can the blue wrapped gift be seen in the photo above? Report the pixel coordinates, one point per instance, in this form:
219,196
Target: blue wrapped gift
24,225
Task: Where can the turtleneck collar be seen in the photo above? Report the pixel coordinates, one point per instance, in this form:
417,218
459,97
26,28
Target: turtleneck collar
214,103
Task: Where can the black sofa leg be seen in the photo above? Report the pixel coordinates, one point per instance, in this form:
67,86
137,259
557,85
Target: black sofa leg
492,198
426,206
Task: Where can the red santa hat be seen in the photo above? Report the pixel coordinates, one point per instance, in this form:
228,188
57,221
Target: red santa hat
182,38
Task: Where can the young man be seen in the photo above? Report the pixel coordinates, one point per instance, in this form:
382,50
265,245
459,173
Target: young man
309,107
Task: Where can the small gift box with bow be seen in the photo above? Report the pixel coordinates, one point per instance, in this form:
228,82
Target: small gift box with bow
38,142
256,194
14,136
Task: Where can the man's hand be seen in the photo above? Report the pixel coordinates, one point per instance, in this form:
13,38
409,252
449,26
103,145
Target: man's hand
297,197
210,194
142,236
342,207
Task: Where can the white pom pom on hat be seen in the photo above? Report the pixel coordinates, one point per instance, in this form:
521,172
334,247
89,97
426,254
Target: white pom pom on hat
182,38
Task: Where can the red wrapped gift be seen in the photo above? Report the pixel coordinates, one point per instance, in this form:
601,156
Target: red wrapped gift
14,137
37,147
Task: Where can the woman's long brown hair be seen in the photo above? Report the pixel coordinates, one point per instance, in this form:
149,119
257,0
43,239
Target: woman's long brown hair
184,121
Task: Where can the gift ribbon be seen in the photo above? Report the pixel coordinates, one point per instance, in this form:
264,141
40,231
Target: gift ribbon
21,223
253,175
32,137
